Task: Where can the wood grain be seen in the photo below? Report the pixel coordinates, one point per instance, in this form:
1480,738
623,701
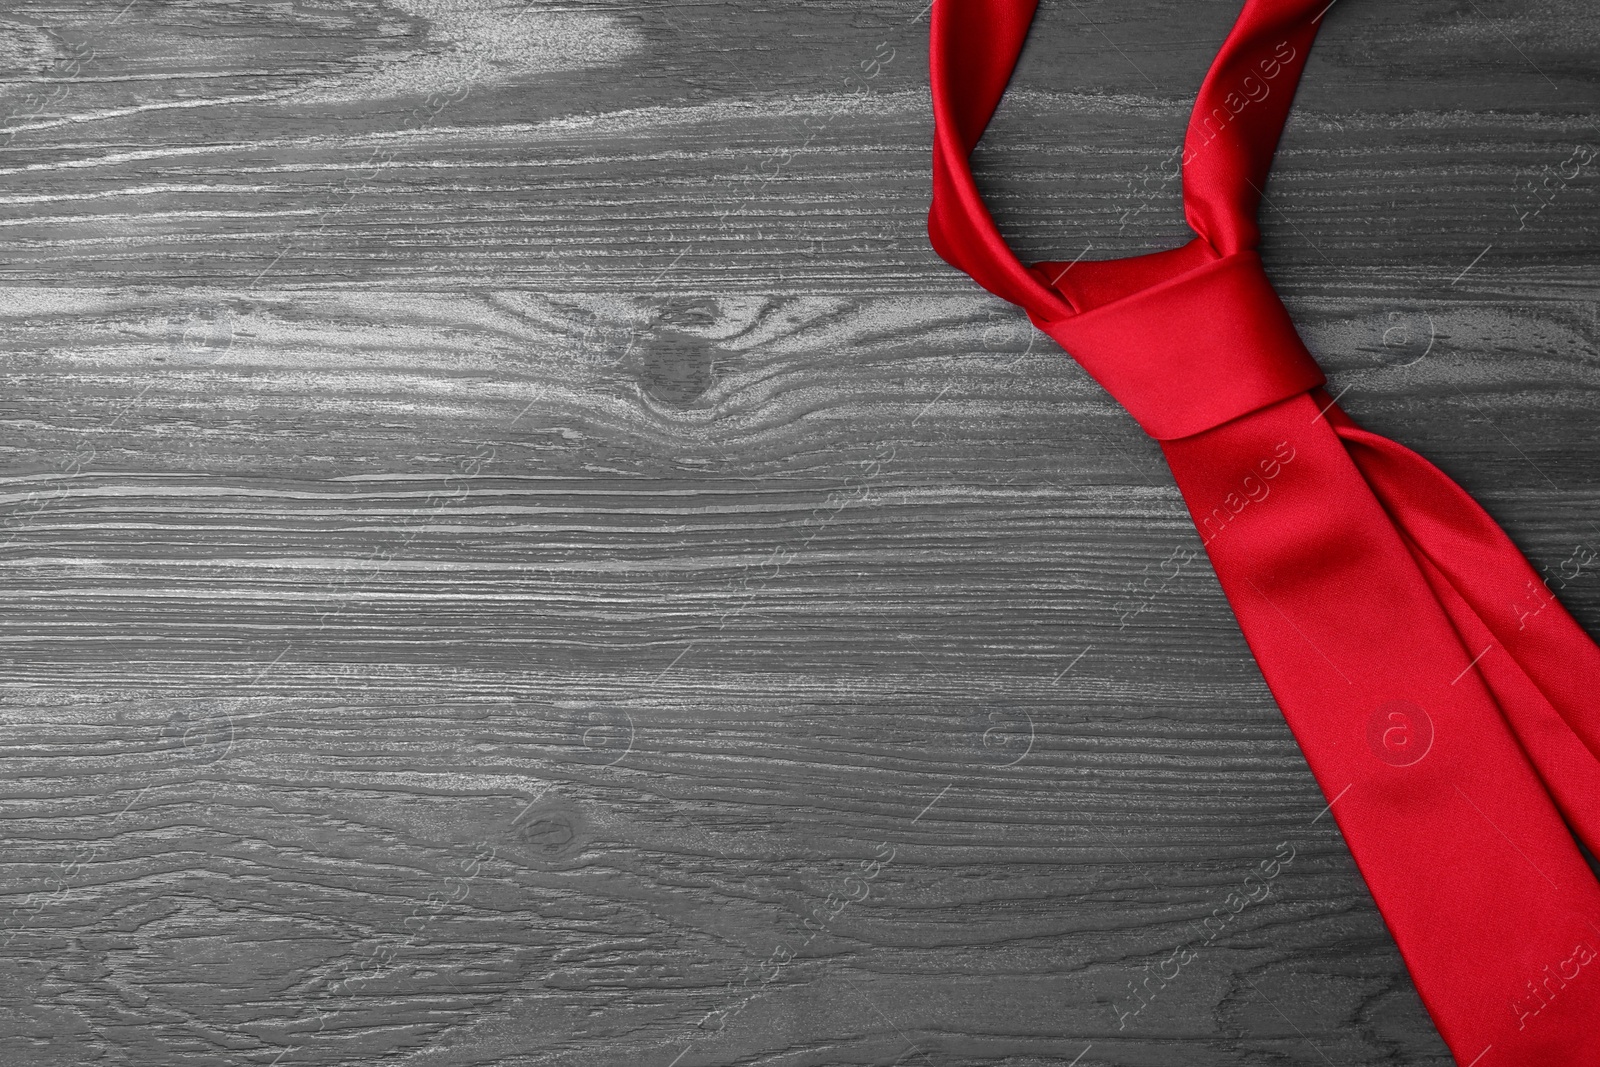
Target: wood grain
517,552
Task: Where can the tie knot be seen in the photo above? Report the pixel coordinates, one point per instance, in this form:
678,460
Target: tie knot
1195,351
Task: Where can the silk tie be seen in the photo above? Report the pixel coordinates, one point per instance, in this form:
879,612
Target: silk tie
1454,735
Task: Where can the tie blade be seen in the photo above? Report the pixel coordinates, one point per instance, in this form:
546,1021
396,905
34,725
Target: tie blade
1449,816
1543,669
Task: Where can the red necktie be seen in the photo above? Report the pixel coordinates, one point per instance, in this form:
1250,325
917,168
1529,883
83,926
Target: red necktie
1451,732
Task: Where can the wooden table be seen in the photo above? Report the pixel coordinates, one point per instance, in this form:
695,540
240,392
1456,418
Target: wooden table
516,552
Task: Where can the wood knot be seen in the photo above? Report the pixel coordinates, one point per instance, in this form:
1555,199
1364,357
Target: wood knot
678,362
552,834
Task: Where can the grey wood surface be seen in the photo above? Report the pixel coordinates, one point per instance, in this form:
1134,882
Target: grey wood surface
516,552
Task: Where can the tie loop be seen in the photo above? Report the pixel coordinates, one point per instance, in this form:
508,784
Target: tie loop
1186,339
1233,132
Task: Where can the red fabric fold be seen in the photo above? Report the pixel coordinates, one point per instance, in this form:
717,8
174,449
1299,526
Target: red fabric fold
1445,703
